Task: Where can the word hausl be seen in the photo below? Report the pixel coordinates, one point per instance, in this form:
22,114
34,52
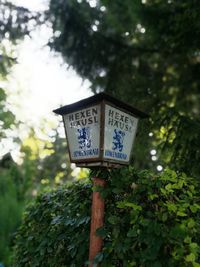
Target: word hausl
83,117
120,121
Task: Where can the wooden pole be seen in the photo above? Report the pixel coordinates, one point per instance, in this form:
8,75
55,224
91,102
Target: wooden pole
97,221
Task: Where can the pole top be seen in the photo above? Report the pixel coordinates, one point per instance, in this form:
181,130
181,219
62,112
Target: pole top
97,99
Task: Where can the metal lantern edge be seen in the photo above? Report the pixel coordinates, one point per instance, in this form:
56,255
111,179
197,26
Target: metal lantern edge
103,101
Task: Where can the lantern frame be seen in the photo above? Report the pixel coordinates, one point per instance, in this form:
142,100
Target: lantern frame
100,100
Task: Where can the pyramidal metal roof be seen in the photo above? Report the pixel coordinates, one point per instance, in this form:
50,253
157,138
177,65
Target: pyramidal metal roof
95,99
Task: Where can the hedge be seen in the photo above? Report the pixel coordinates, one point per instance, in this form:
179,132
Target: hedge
151,220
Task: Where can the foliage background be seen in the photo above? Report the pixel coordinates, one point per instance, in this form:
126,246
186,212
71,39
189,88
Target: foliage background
11,208
146,53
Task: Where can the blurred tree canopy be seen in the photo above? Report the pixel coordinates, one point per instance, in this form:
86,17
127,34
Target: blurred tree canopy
45,162
147,53
13,183
13,27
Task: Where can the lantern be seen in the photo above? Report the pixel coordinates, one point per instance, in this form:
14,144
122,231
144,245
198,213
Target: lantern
100,131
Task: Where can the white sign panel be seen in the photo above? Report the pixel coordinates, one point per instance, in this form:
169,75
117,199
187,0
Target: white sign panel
83,132
120,130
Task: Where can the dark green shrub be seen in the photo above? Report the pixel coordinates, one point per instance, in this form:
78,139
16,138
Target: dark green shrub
151,221
10,213
55,229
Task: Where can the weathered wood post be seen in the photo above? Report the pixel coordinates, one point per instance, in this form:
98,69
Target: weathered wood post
97,220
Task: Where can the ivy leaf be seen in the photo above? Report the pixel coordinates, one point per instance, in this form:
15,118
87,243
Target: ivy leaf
190,258
101,232
132,233
113,219
191,223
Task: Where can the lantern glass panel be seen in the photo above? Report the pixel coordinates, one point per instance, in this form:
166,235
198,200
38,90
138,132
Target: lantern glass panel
120,129
83,133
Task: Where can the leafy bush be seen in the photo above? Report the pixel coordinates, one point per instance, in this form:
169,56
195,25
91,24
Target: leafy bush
10,213
151,221
55,229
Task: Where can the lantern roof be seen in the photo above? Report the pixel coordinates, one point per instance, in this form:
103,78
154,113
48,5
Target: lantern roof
97,99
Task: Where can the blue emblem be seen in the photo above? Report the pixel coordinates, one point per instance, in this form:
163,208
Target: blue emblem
84,138
118,139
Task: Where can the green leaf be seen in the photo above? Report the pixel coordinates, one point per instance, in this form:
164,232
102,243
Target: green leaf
181,214
101,232
132,233
191,223
190,258
113,219
164,217
129,204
